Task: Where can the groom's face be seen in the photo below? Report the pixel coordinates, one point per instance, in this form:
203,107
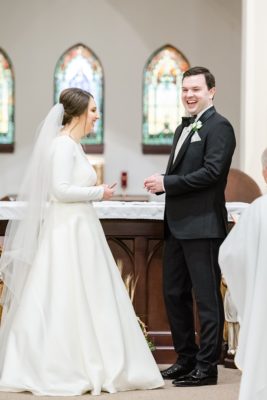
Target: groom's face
196,95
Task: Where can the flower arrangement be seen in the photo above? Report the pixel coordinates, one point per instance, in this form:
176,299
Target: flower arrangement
196,126
130,284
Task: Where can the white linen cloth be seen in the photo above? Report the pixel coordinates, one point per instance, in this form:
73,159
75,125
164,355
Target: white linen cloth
243,261
153,210
74,329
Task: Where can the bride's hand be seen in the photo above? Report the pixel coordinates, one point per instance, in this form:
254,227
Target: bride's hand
108,192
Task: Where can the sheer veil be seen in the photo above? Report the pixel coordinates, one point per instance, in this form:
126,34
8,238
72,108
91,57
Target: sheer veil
22,236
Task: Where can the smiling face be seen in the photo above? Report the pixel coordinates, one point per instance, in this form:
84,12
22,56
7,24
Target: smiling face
91,116
196,96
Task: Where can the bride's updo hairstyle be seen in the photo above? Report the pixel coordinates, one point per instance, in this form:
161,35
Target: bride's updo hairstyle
75,102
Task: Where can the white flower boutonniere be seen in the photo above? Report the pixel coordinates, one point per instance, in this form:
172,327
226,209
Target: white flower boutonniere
196,126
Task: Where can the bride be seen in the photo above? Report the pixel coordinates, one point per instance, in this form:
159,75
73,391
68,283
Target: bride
68,325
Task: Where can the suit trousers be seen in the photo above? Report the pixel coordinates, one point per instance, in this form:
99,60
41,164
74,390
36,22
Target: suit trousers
193,264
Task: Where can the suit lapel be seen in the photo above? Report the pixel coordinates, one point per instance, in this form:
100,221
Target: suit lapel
182,150
207,114
175,140
204,117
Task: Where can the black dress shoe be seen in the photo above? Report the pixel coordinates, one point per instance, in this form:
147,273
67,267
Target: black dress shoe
196,378
175,371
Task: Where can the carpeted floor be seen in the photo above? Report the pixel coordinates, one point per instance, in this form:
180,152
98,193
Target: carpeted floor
227,389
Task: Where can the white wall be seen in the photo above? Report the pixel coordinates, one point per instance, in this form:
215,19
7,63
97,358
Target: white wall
123,34
254,99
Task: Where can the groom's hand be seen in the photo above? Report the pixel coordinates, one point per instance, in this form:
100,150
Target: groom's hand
154,183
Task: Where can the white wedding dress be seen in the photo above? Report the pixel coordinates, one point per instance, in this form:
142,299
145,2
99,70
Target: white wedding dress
74,330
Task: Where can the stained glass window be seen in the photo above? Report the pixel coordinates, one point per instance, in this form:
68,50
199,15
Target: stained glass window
162,105
80,67
6,104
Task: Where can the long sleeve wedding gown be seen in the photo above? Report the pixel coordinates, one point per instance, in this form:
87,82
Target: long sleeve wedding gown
74,329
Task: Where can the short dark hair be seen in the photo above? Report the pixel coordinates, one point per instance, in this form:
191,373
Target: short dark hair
210,80
75,102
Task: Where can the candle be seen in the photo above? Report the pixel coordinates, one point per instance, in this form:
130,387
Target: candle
124,180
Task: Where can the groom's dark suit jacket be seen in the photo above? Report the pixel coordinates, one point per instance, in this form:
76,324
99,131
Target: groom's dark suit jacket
195,182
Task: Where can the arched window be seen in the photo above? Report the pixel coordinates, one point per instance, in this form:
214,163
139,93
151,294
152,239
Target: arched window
7,127
162,106
80,67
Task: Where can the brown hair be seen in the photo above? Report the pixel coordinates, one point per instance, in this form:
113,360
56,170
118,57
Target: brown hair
75,102
210,80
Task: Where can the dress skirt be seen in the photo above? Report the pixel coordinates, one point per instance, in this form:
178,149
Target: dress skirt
74,329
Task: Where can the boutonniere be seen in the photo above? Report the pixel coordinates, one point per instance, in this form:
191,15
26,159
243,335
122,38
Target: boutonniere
196,126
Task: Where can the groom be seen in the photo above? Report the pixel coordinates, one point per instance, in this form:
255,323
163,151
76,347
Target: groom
195,226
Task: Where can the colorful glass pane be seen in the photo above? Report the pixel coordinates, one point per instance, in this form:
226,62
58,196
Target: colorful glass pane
79,67
162,105
6,100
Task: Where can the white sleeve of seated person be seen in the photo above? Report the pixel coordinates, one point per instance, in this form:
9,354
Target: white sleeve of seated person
62,188
242,259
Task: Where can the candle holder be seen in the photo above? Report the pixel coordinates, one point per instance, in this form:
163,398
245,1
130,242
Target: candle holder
124,183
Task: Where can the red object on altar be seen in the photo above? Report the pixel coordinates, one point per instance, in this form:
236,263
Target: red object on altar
124,180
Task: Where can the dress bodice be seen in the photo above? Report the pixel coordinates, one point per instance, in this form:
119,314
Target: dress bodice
73,178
